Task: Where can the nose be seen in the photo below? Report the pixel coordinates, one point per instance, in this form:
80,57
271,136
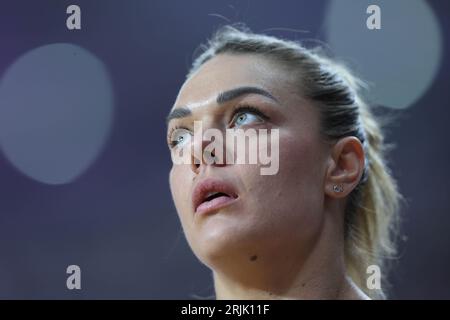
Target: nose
207,153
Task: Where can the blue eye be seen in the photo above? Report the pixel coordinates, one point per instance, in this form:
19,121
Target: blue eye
179,137
247,115
246,118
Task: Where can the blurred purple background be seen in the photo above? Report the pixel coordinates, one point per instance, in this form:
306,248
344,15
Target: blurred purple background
83,158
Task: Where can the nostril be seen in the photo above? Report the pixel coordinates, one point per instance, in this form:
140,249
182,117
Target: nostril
195,164
212,156
209,157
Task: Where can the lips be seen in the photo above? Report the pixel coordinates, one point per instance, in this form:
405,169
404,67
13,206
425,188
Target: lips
212,194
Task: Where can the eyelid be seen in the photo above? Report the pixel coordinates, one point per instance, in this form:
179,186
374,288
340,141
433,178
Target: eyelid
172,143
242,108
239,108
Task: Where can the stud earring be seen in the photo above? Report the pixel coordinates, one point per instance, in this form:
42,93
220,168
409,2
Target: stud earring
338,188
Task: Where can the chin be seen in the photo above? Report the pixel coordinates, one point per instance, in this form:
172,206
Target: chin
218,242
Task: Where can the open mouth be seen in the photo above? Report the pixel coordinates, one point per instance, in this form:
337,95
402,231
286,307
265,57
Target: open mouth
215,195
211,195
214,201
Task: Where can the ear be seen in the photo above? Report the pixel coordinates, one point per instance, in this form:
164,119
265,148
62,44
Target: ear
345,167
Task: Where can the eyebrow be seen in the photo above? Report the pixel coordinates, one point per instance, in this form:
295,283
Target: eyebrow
222,98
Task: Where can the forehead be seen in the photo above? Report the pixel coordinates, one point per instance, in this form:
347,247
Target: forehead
227,71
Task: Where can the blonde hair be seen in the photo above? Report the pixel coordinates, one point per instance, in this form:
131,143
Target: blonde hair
371,217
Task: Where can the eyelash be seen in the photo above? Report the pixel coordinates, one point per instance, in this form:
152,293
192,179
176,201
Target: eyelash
173,143
248,108
237,110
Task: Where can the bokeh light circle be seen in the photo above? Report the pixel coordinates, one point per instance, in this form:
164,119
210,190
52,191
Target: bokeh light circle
400,60
56,112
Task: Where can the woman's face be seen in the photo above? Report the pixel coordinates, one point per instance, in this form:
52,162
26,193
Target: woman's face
258,217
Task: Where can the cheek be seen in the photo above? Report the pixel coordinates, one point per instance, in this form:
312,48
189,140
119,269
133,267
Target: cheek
301,178
293,197
301,163
179,180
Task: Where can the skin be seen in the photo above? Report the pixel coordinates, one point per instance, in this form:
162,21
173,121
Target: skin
283,238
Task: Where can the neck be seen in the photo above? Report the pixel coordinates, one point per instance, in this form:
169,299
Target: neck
320,274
